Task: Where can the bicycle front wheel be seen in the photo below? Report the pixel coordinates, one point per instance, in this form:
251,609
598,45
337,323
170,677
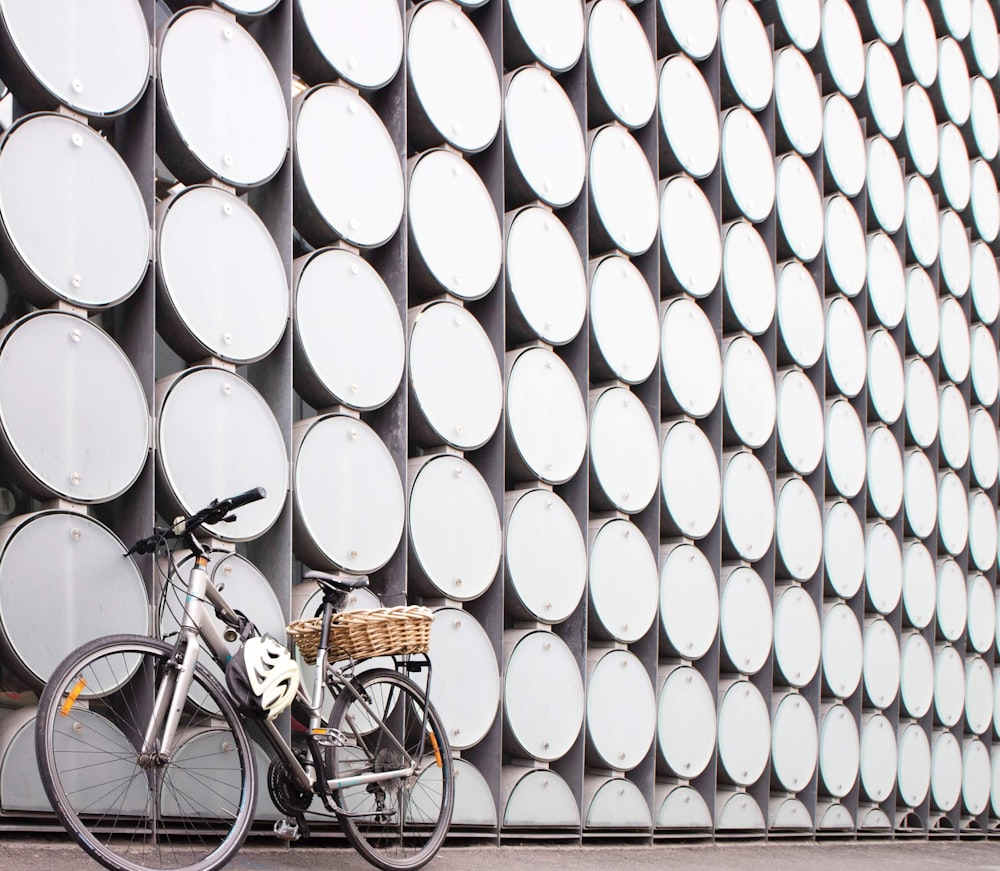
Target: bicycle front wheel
399,823
190,812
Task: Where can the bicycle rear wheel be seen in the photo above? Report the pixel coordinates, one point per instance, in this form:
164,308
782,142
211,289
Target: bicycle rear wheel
405,820
190,813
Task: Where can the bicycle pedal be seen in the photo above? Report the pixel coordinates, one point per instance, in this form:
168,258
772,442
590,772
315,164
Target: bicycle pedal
286,830
329,737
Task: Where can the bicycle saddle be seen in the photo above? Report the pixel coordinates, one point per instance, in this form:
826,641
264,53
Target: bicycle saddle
336,582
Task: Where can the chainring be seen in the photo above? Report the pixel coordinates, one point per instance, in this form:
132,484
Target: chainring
287,795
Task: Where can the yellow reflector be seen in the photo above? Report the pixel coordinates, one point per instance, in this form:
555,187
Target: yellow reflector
437,749
72,697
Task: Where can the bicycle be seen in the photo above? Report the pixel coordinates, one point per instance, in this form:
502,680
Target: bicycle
147,761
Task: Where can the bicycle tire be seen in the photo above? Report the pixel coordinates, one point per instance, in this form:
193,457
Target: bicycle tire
191,813
419,807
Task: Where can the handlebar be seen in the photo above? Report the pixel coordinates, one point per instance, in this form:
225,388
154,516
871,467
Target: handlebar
217,511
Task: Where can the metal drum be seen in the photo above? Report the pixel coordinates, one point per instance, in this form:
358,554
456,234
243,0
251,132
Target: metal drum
623,582
953,512
881,663
615,803
800,209
885,472
92,246
886,280
236,130
537,799
744,733
748,510
621,70
919,141
843,146
748,279
624,452
621,710
985,368
914,769
982,531
983,448
748,393
839,750
846,347
844,242
794,742
985,45
552,33
693,25
797,101
886,187
842,651
692,364
883,89
845,448
801,314
954,175
954,435
922,402
985,201
746,55
923,320
952,599
923,231
796,637
746,621
982,611
920,497
949,685
623,322
691,137
886,378
474,803
798,530
916,675
843,550
843,52
956,350
623,201
883,567
689,602
878,754
799,422
685,723
689,234
747,167
976,775
978,695
983,117
682,807
920,586
956,254
946,771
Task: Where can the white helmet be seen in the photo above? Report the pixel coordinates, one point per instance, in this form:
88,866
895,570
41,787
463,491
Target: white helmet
265,667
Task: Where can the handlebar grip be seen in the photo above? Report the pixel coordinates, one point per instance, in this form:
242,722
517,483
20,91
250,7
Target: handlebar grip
254,495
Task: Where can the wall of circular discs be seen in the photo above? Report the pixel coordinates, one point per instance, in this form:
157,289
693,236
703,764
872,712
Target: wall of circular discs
653,344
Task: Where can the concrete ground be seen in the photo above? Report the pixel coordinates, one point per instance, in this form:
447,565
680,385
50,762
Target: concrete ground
57,854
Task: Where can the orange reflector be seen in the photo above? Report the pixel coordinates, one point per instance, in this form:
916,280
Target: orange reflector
437,749
72,697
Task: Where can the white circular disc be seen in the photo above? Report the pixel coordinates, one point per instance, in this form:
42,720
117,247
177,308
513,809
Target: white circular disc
983,448
843,145
689,234
956,254
923,319
842,650
846,351
690,479
984,365
881,664
349,331
982,531
978,695
685,722
946,771
72,211
878,757
982,611
916,676
845,243
884,89
544,136
746,623
953,513
237,128
546,416
349,166
923,231
843,550
886,187
554,32
797,99
746,53
348,497
800,207
985,201
624,450
692,364
453,224
921,402
845,448
985,42
953,167
623,319
621,62
802,20
957,16
689,117
546,556
452,76
73,416
689,602
953,80
883,567
621,710
976,776
886,381
985,282
623,581
919,494
885,472
454,376
454,527
800,422
953,431
920,586
623,190
97,63
920,130
237,445
748,506
747,164
545,276
839,750
794,743
744,733
952,600
914,769
796,636
842,47
801,314
984,118
920,42
748,277
694,25
543,695
949,685
361,40
887,19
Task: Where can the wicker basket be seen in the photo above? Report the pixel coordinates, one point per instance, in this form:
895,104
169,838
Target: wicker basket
362,634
